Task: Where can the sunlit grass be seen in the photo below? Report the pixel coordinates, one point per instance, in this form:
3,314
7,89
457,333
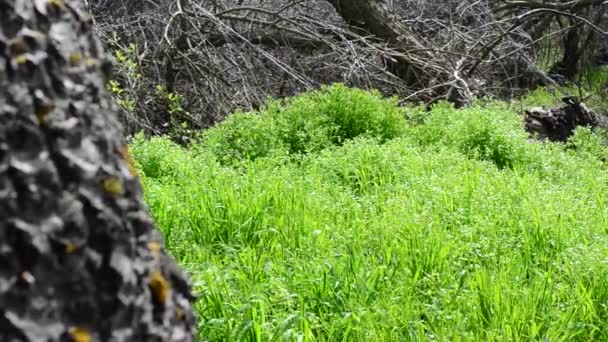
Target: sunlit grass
459,229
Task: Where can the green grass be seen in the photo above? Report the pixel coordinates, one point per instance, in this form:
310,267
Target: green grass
591,84
457,229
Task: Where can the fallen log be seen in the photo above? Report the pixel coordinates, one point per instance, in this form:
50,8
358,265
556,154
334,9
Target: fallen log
558,124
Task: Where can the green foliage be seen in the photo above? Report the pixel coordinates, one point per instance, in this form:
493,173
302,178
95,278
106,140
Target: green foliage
174,101
179,118
540,97
125,59
591,85
244,136
129,75
483,131
459,228
304,124
586,142
120,96
163,160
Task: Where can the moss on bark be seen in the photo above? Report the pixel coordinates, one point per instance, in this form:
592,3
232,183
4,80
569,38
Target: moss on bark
80,258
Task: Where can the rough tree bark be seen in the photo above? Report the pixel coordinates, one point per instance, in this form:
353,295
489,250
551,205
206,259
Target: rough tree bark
80,259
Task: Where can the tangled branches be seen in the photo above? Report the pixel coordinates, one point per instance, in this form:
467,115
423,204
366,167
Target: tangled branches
196,61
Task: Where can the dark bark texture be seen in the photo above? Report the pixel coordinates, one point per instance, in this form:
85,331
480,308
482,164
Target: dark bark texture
80,258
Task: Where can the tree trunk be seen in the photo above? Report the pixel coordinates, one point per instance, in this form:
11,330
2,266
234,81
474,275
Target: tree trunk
80,259
420,70
568,65
372,17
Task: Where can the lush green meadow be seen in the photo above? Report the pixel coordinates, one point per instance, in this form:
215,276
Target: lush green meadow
337,216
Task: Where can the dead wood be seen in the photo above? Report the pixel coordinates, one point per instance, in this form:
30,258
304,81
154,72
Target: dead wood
222,55
558,124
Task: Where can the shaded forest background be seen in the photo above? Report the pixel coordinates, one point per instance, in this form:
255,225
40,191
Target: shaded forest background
182,65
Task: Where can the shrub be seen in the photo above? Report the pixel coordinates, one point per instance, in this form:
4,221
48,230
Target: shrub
356,112
245,136
162,159
307,123
489,133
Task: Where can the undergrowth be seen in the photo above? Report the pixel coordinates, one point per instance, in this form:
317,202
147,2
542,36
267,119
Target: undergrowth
329,218
305,124
590,85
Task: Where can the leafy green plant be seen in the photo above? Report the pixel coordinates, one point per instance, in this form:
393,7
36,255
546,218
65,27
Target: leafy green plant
586,142
174,101
120,96
180,129
244,136
488,132
307,123
127,69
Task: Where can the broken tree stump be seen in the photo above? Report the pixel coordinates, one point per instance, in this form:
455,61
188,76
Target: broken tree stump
558,124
